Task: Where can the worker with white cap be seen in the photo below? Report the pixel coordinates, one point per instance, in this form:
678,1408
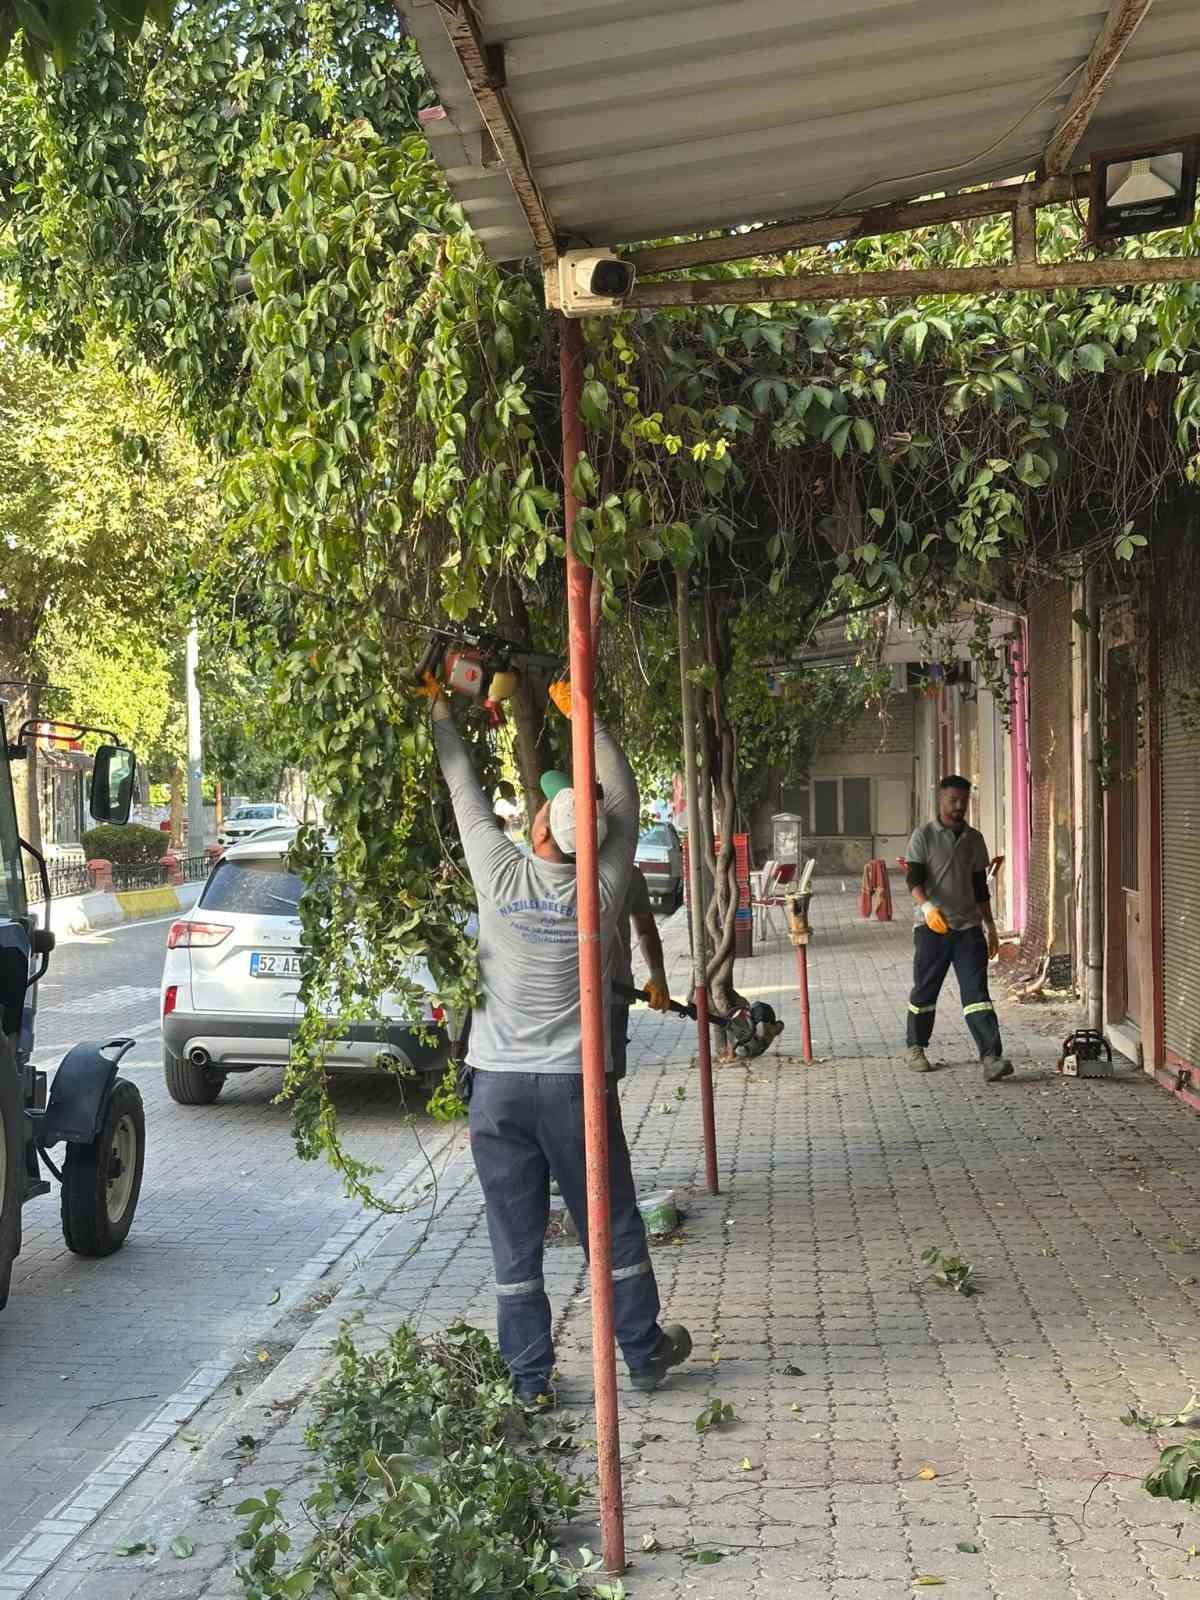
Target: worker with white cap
525,1054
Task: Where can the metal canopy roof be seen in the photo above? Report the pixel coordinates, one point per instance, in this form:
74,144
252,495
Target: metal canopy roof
639,119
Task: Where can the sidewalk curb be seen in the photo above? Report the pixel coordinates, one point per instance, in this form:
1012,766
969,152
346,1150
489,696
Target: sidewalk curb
75,915
37,1555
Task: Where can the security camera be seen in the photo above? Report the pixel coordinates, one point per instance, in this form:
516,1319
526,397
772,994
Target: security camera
591,281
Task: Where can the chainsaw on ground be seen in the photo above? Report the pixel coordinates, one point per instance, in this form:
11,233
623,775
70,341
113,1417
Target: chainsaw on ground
1086,1053
483,666
748,1031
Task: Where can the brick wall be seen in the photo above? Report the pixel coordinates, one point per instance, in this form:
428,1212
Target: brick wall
886,731
1050,925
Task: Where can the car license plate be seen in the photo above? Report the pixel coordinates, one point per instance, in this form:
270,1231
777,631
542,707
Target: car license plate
265,964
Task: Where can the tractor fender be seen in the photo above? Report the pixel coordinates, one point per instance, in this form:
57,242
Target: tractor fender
79,1093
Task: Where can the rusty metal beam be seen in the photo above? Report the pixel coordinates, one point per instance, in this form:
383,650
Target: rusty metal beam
1107,274
484,74
891,218
1024,225
1124,17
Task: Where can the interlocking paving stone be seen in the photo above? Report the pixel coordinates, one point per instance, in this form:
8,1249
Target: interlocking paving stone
1075,1200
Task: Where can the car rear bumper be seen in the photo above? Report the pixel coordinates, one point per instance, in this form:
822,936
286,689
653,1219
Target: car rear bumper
661,883
235,1043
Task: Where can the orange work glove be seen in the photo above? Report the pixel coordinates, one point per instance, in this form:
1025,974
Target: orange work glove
560,693
429,688
658,996
934,920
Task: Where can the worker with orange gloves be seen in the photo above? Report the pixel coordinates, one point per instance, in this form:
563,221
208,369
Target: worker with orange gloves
947,874
524,1078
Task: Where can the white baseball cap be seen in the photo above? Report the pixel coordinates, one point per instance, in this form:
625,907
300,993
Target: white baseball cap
562,821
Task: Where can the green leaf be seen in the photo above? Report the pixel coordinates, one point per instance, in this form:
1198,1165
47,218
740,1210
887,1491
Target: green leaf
967,1548
1090,357
183,1546
707,1558
864,434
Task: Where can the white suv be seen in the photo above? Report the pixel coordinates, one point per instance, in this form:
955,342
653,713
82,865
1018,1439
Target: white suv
246,821
231,981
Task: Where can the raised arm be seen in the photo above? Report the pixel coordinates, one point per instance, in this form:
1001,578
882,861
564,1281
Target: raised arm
621,802
486,848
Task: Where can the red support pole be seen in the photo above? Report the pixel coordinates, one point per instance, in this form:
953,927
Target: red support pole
591,990
805,1019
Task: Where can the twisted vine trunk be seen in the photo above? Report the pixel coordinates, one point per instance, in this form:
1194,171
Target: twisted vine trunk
719,806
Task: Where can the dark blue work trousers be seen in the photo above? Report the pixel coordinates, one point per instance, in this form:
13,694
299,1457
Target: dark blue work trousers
527,1127
964,949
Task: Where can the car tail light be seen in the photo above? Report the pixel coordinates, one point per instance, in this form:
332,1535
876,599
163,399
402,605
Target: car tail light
437,1013
170,995
654,866
196,935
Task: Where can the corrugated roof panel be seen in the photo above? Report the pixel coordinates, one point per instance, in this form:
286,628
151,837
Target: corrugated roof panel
644,118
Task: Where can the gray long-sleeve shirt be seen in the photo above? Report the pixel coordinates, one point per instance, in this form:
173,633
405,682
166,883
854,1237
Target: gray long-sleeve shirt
528,1016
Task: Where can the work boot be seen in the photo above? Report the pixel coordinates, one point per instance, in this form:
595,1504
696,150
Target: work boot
917,1059
995,1068
536,1393
674,1346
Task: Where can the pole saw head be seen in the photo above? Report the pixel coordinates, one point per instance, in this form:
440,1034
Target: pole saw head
750,1031
484,667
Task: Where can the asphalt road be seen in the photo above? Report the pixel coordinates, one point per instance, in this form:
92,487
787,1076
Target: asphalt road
228,1216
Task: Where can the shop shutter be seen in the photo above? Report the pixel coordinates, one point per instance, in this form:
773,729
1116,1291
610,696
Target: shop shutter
1181,883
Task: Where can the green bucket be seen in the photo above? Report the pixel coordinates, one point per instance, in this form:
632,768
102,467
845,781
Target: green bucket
659,1211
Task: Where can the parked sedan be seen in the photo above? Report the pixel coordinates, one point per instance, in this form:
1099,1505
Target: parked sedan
231,985
660,857
248,820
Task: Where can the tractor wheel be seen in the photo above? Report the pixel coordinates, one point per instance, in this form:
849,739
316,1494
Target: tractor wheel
189,1085
12,1164
102,1180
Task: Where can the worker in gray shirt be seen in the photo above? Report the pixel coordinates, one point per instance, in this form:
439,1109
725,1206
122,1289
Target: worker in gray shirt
947,874
525,1057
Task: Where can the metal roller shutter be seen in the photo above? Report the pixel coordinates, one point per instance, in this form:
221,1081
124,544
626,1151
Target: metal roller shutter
1181,884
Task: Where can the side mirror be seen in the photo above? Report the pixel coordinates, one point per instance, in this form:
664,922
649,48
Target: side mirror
111,798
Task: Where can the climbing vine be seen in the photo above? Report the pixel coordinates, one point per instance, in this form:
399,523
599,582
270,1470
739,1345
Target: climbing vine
246,204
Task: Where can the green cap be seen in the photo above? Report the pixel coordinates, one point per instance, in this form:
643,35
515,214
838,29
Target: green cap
553,783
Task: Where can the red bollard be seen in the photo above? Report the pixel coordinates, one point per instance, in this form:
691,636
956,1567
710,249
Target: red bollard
805,1019
100,873
800,932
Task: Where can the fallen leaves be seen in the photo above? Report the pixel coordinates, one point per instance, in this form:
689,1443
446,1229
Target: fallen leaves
1151,1422
927,1473
715,1415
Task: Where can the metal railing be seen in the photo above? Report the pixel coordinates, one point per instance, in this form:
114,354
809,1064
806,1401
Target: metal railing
72,877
